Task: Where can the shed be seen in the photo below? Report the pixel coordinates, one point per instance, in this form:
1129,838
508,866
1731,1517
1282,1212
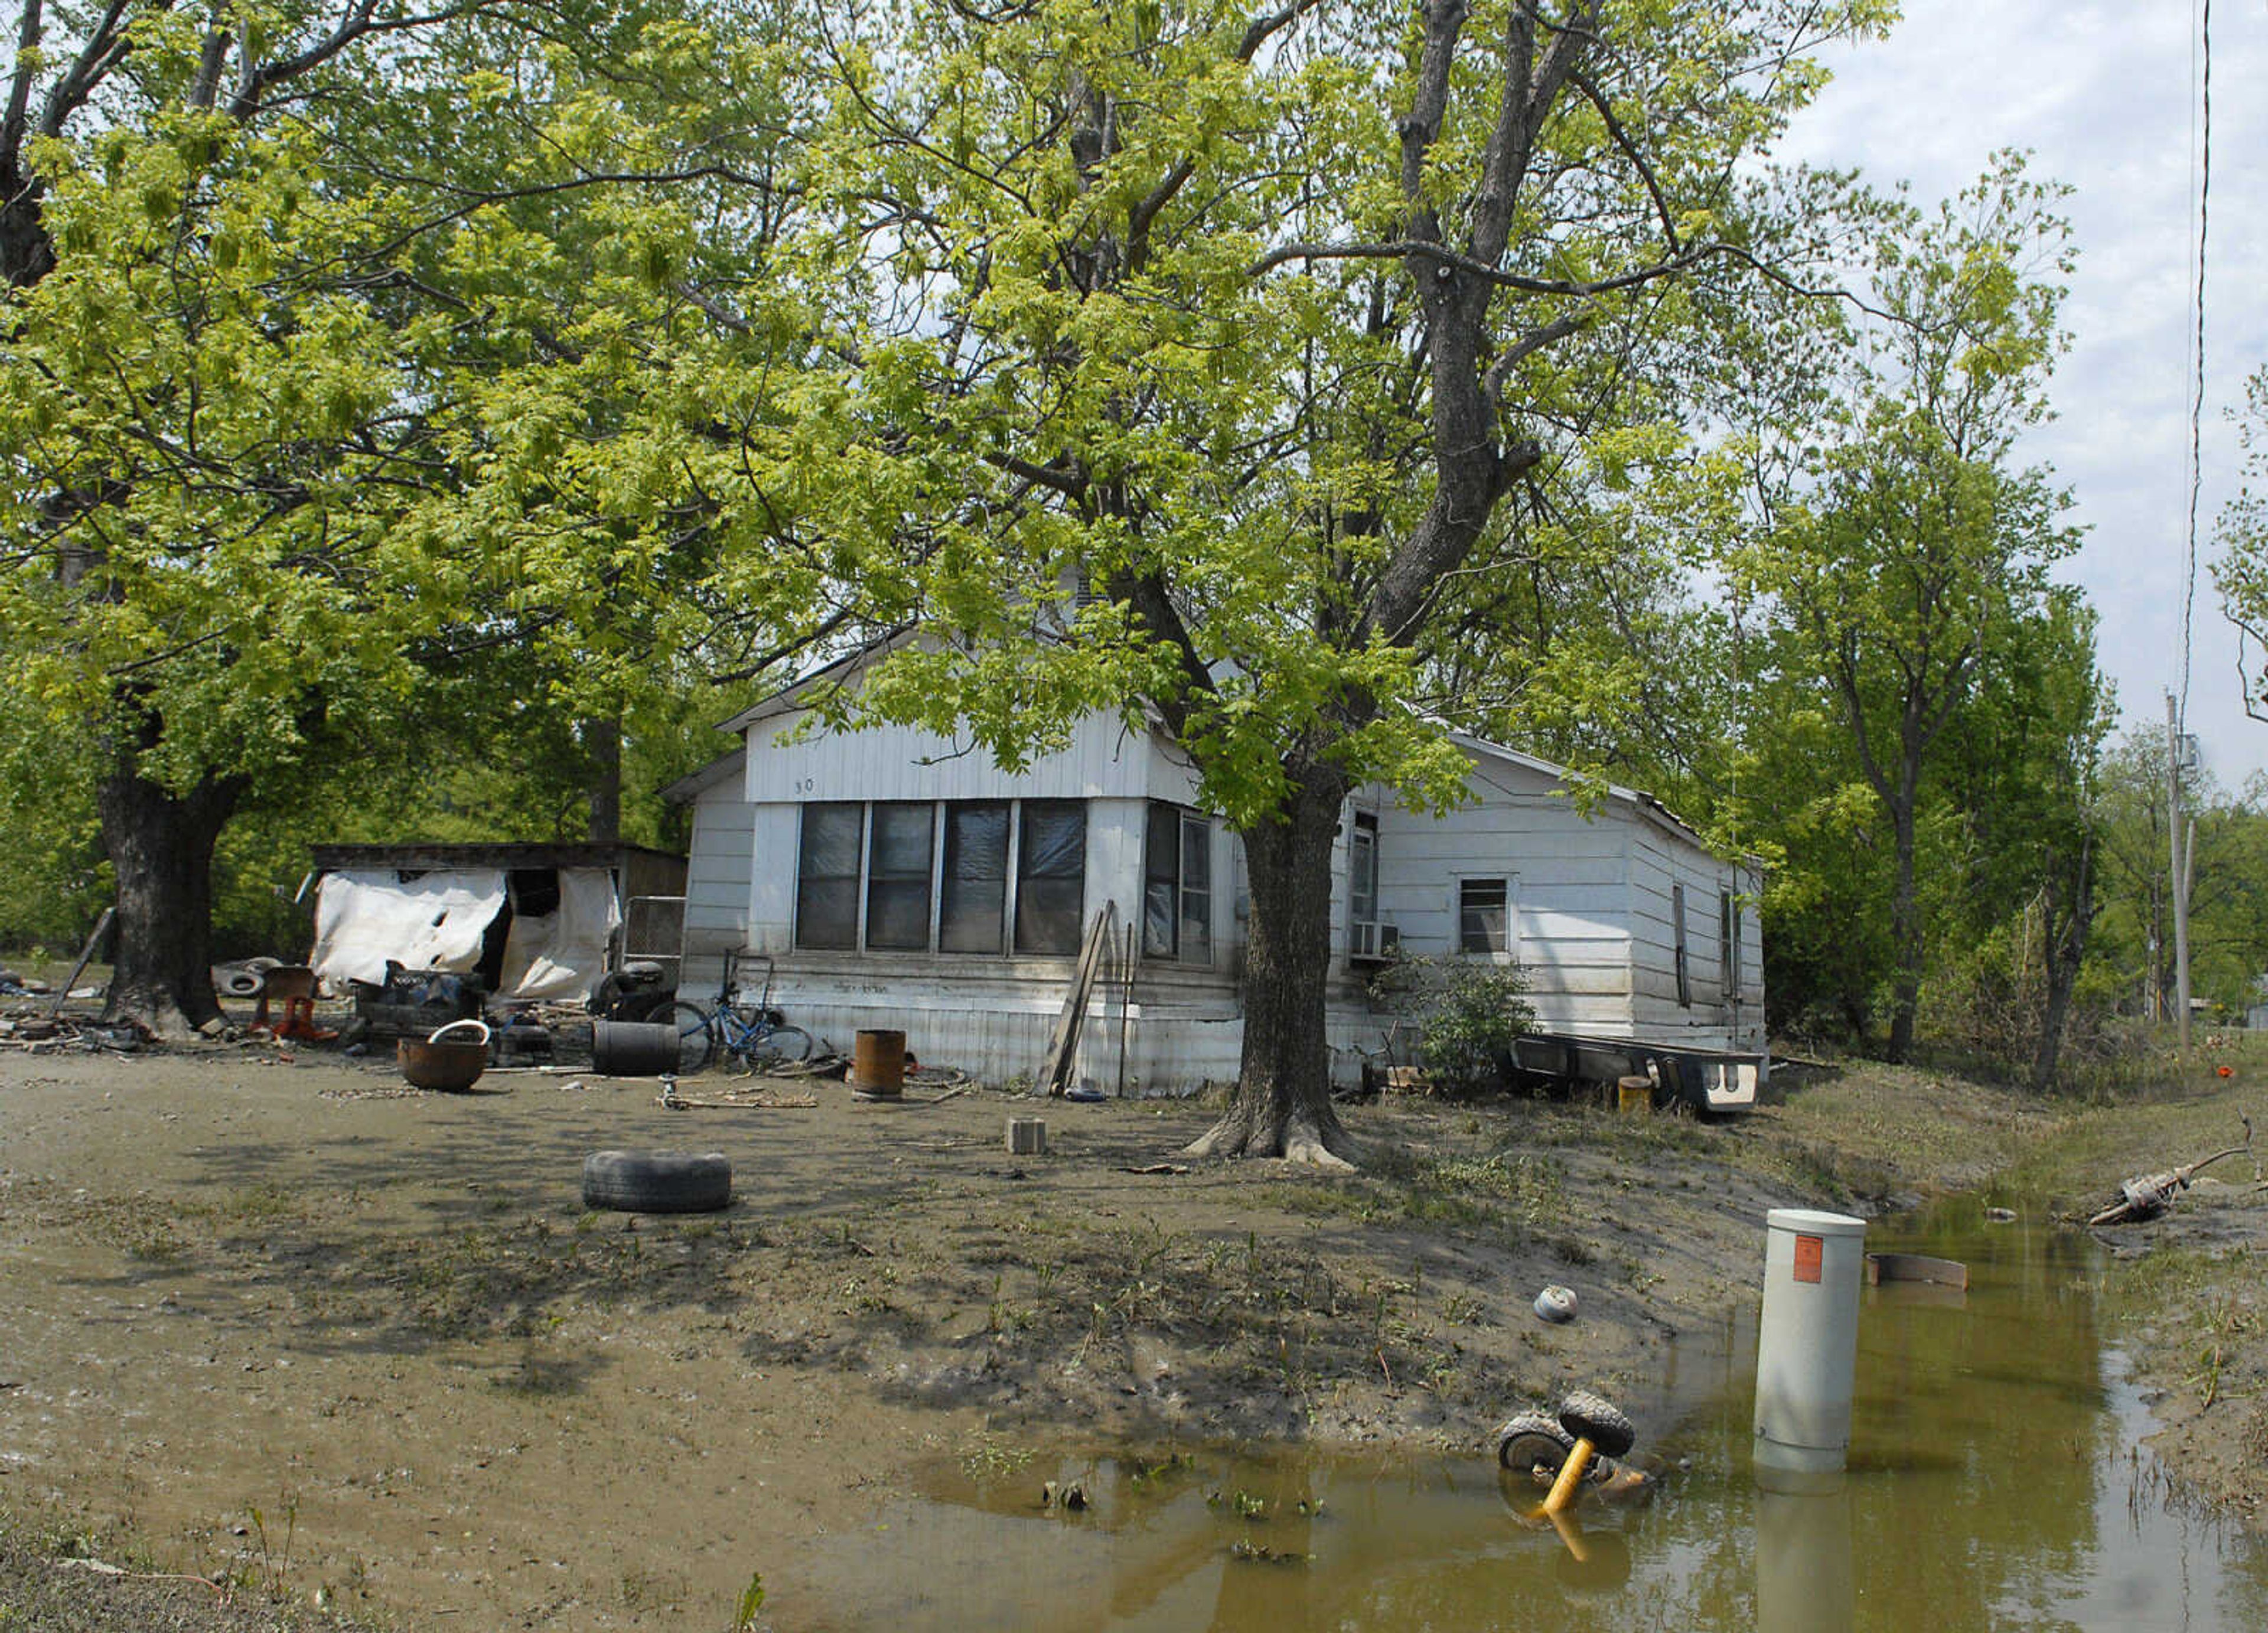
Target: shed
533,921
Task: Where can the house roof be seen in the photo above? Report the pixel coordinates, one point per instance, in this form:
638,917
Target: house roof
783,701
418,853
1645,803
693,784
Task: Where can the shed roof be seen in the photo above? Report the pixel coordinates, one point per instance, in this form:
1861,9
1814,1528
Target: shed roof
427,854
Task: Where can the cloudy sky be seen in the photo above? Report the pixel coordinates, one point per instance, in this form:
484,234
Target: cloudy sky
2104,97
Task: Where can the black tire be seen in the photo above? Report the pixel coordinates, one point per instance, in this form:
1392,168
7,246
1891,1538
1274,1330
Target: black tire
781,1045
1533,1444
1599,1420
657,1181
695,1043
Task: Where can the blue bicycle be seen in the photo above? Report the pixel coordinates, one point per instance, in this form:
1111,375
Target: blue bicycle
756,1035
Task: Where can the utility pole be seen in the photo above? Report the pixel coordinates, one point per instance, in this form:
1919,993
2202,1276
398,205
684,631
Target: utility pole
2178,871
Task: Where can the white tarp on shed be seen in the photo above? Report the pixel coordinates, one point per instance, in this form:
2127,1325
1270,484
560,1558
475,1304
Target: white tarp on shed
435,920
559,955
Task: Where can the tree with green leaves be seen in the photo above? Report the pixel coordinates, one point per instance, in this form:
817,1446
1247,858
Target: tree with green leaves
347,347
2241,569
1911,547
1254,325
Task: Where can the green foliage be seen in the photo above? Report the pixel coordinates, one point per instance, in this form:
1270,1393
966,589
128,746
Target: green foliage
1468,1014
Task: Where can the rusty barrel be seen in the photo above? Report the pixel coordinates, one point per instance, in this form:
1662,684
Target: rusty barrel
878,1065
634,1049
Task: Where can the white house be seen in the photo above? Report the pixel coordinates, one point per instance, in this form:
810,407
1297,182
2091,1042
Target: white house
894,878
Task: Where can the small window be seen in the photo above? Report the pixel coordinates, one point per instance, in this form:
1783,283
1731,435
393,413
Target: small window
1483,922
1177,886
1050,876
973,914
898,860
1362,870
827,877
1728,945
1677,943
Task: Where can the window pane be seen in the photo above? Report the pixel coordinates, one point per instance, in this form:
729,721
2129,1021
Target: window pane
1050,876
1196,890
1481,915
976,905
1362,873
827,877
897,878
1160,882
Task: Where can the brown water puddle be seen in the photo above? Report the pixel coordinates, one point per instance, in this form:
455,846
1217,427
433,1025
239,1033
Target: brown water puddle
1996,1480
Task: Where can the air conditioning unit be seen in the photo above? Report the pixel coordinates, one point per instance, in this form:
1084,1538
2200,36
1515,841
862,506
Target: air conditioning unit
1373,941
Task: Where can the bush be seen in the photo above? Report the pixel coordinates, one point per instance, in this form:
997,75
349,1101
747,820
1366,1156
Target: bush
1467,1014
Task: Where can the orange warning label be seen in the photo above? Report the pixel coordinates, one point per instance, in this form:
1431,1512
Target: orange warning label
1810,1251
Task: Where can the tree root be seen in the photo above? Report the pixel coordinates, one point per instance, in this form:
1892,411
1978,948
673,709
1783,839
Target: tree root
1299,1138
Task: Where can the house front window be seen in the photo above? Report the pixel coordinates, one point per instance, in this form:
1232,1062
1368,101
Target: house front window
827,876
1050,875
898,860
1177,886
973,916
913,876
1484,915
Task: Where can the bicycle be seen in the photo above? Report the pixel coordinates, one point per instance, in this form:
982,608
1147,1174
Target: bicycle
758,1036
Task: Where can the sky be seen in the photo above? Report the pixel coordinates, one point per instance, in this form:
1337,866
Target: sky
2104,97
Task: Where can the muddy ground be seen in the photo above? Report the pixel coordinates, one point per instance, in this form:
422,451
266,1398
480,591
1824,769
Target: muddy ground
282,1323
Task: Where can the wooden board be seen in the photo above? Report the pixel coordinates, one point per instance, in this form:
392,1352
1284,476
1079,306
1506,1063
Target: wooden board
1062,1043
1913,1267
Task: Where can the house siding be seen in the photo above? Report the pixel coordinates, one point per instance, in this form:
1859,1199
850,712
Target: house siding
1588,913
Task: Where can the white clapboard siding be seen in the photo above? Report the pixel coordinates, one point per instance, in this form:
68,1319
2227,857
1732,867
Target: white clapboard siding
716,874
1588,891
1102,760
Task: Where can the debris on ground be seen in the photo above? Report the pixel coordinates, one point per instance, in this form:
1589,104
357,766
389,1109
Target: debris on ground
2147,1196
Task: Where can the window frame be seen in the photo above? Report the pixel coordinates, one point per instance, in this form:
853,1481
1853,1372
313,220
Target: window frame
1509,943
934,880
1681,956
1192,834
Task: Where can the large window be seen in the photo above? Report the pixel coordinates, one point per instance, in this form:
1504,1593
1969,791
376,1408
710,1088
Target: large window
1050,875
1484,915
898,859
1177,886
974,916
907,876
827,876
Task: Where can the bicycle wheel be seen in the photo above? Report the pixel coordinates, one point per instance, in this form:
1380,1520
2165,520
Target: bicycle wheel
695,1041
781,1045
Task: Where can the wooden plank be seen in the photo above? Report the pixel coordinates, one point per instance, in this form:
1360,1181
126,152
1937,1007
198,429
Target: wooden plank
86,957
1914,1267
1062,1043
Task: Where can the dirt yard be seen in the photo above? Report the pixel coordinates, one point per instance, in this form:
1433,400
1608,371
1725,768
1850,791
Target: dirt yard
285,1322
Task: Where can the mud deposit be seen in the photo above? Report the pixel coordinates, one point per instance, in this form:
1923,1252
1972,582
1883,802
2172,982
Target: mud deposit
293,1324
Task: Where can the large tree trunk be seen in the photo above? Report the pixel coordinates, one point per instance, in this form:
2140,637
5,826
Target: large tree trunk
1282,1103
161,850
2065,949
1905,939
603,747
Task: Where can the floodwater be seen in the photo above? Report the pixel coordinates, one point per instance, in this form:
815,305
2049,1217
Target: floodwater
1996,1480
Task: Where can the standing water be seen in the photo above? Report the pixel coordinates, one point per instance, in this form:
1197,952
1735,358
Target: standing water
1996,1480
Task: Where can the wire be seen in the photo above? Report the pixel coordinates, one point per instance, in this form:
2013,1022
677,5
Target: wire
2204,150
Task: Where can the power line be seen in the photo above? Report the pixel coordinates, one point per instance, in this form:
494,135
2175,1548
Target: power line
2203,68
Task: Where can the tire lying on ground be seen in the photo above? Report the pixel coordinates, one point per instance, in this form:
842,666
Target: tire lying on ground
657,1181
